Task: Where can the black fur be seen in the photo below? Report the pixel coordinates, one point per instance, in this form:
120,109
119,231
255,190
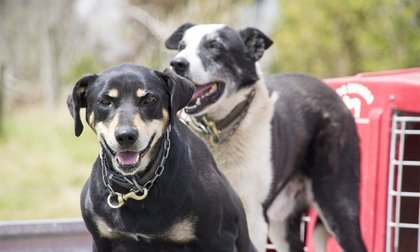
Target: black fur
255,42
78,100
173,41
190,187
314,135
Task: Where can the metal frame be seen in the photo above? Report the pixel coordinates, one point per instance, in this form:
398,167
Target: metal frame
397,164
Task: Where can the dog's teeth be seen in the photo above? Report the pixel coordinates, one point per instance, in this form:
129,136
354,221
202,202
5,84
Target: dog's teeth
198,102
213,88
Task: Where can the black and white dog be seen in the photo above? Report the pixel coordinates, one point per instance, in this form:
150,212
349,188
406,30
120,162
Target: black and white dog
155,185
285,142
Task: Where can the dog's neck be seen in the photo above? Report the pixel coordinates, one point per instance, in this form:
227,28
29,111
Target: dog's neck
252,134
217,128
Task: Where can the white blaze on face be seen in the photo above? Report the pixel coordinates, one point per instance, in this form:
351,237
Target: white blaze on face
192,39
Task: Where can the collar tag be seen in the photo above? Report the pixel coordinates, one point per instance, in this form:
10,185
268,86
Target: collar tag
122,198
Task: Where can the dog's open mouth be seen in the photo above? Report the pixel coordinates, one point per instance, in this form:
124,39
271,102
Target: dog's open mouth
204,95
128,161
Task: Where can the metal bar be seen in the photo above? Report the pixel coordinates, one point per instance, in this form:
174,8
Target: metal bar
399,185
405,225
405,162
391,172
405,194
407,118
408,132
418,231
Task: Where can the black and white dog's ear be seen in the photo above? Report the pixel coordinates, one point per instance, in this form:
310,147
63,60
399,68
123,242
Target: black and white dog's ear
255,42
173,41
181,90
77,100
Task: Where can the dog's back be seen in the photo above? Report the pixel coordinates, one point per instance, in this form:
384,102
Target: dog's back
308,113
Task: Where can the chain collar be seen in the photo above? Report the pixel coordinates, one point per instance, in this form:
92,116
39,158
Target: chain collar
219,131
135,185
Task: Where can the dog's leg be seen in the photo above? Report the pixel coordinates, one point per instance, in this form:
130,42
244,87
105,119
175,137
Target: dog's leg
285,215
285,235
341,218
257,226
335,185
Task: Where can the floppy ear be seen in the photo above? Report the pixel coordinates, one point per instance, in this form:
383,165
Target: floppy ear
181,90
173,40
77,100
255,41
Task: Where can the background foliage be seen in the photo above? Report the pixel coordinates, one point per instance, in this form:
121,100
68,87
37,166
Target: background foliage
335,38
47,45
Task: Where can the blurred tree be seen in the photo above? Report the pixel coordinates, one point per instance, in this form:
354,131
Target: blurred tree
47,43
35,46
335,38
155,20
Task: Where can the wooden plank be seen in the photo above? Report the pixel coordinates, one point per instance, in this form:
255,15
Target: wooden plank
44,235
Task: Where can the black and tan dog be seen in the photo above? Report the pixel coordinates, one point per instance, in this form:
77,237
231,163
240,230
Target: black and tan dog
285,142
155,185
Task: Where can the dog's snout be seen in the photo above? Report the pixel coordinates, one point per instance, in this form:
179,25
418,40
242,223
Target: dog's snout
126,136
180,65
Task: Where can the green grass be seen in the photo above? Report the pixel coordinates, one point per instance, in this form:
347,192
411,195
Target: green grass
43,165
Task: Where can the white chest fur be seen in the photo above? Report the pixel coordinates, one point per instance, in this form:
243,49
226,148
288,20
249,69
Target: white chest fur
245,158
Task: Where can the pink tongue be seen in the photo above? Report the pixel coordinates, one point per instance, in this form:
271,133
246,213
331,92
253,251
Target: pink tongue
200,90
128,157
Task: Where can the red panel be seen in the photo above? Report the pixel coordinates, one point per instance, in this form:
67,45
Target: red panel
372,97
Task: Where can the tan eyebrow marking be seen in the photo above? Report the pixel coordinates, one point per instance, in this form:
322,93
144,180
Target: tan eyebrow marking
141,92
113,93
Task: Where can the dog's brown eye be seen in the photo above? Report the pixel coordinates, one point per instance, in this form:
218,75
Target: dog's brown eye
105,101
150,100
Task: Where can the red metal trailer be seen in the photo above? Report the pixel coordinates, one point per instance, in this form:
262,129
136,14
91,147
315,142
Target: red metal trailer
386,107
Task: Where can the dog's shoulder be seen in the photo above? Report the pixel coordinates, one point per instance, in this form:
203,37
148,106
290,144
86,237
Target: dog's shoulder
300,92
295,83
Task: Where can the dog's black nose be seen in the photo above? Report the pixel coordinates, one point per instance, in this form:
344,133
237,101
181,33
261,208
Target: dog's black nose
180,65
126,136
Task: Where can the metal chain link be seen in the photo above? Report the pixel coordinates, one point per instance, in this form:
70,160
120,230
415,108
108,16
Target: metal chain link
105,178
161,167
